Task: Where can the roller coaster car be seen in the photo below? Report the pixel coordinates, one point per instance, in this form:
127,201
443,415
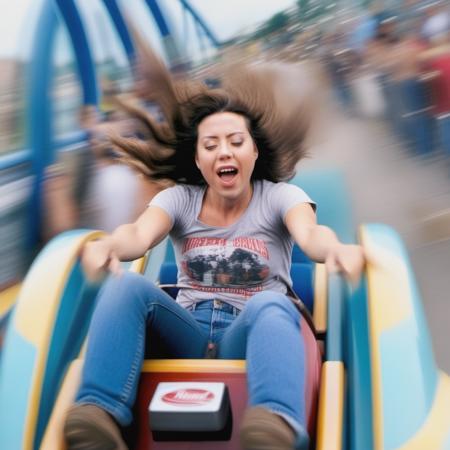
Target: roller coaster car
374,385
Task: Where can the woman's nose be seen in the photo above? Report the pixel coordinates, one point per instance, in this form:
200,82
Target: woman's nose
225,151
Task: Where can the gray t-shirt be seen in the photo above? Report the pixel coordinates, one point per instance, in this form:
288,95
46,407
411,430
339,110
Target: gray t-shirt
231,263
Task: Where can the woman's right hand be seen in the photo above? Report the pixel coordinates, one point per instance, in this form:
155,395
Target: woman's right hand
98,258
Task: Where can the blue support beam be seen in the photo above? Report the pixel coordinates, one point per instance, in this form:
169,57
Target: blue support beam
159,18
200,36
170,46
122,30
201,22
40,101
39,114
85,64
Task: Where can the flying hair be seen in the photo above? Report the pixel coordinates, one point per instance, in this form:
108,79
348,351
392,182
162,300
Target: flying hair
263,95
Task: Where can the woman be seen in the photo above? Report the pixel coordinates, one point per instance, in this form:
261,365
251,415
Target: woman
233,223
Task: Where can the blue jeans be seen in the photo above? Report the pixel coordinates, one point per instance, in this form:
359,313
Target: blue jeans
393,104
444,133
417,123
133,315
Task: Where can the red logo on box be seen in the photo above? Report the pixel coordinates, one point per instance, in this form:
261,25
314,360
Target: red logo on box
186,397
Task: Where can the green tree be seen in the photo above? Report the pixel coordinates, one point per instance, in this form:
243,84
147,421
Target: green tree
303,8
276,23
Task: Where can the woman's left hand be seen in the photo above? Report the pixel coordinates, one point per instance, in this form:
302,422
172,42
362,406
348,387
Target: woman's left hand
347,259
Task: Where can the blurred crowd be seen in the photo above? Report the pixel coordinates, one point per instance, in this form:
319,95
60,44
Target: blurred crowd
396,64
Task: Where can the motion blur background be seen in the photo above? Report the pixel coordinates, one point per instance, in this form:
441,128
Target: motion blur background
379,72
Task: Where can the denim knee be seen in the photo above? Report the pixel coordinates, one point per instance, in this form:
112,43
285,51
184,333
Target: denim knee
131,280
263,301
127,290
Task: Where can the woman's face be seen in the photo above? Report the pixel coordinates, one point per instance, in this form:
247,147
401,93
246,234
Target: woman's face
226,154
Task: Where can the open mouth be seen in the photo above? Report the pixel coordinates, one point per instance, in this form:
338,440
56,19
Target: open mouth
227,174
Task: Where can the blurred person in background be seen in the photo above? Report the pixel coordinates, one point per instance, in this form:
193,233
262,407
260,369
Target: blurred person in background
414,93
369,100
436,60
408,102
380,58
98,192
66,183
437,20
363,32
340,62
113,189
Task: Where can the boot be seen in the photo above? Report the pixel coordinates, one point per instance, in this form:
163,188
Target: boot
264,430
89,427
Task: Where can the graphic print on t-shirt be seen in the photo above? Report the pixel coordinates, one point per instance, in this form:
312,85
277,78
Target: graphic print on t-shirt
217,263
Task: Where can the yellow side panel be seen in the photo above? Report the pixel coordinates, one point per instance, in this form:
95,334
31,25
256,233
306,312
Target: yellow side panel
320,298
8,298
331,406
436,428
139,265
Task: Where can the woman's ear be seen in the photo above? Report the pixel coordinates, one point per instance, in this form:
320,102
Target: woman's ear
256,152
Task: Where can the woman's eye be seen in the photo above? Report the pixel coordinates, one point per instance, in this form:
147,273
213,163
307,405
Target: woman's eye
237,143
210,147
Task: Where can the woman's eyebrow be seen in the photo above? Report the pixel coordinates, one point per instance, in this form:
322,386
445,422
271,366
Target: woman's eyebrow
228,135
209,137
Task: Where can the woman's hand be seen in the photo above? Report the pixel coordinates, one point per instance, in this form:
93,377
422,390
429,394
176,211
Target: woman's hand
98,258
347,259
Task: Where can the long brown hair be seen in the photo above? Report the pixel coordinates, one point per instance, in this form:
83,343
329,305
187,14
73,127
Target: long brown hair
168,149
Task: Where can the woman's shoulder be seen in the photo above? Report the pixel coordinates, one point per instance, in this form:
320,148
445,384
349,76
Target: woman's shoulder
277,188
265,186
182,190
281,194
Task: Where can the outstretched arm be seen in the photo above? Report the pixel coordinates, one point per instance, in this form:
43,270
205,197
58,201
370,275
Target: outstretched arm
125,243
321,244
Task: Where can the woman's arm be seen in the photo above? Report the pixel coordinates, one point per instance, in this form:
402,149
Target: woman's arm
125,243
321,244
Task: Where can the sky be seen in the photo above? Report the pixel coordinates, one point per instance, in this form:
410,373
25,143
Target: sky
14,18
228,17
225,17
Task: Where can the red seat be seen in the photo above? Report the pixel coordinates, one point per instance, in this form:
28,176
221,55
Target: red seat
231,372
